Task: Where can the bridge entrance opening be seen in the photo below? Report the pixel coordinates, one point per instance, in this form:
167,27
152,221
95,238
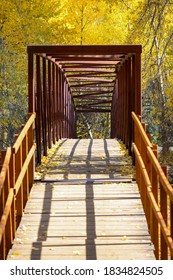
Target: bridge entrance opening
93,125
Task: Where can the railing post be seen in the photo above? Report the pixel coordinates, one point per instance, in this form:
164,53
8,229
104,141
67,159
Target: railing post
49,107
56,109
31,100
3,197
154,228
54,103
143,152
138,140
38,109
19,195
171,222
25,179
164,209
12,183
44,109
31,167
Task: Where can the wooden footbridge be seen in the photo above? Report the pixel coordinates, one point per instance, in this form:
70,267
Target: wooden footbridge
87,203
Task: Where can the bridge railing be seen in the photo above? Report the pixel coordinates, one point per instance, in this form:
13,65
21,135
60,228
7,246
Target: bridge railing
156,191
16,178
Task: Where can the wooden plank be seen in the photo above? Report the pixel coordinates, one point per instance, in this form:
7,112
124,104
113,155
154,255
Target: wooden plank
81,252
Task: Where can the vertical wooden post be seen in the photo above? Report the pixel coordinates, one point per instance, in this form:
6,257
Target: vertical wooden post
164,209
67,110
66,106
154,229
133,83
19,195
12,183
57,92
113,114
8,233
31,167
4,192
61,103
44,109
171,222
53,104
138,99
130,127
49,106
55,89
58,101
38,109
31,99
2,203
25,179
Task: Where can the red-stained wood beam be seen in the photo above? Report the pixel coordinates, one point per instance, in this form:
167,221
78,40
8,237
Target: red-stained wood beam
96,79
85,49
87,57
93,98
93,93
78,69
89,62
94,103
83,66
31,97
101,84
88,75
93,110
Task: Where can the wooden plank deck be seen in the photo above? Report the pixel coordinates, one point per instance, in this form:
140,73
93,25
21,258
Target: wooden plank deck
87,207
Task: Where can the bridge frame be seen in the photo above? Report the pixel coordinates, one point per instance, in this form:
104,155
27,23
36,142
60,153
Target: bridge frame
52,88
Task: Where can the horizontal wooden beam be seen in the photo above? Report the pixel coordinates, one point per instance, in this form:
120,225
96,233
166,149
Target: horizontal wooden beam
94,97
89,92
93,62
105,74
96,79
84,101
84,66
88,75
96,84
85,49
105,57
88,69
95,110
94,103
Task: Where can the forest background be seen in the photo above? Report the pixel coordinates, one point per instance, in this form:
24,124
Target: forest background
145,22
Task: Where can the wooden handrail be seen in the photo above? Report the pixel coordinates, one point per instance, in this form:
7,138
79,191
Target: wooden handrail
141,129
6,212
156,192
24,169
155,207
4,168
16,178
142,166
167,186
24,132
